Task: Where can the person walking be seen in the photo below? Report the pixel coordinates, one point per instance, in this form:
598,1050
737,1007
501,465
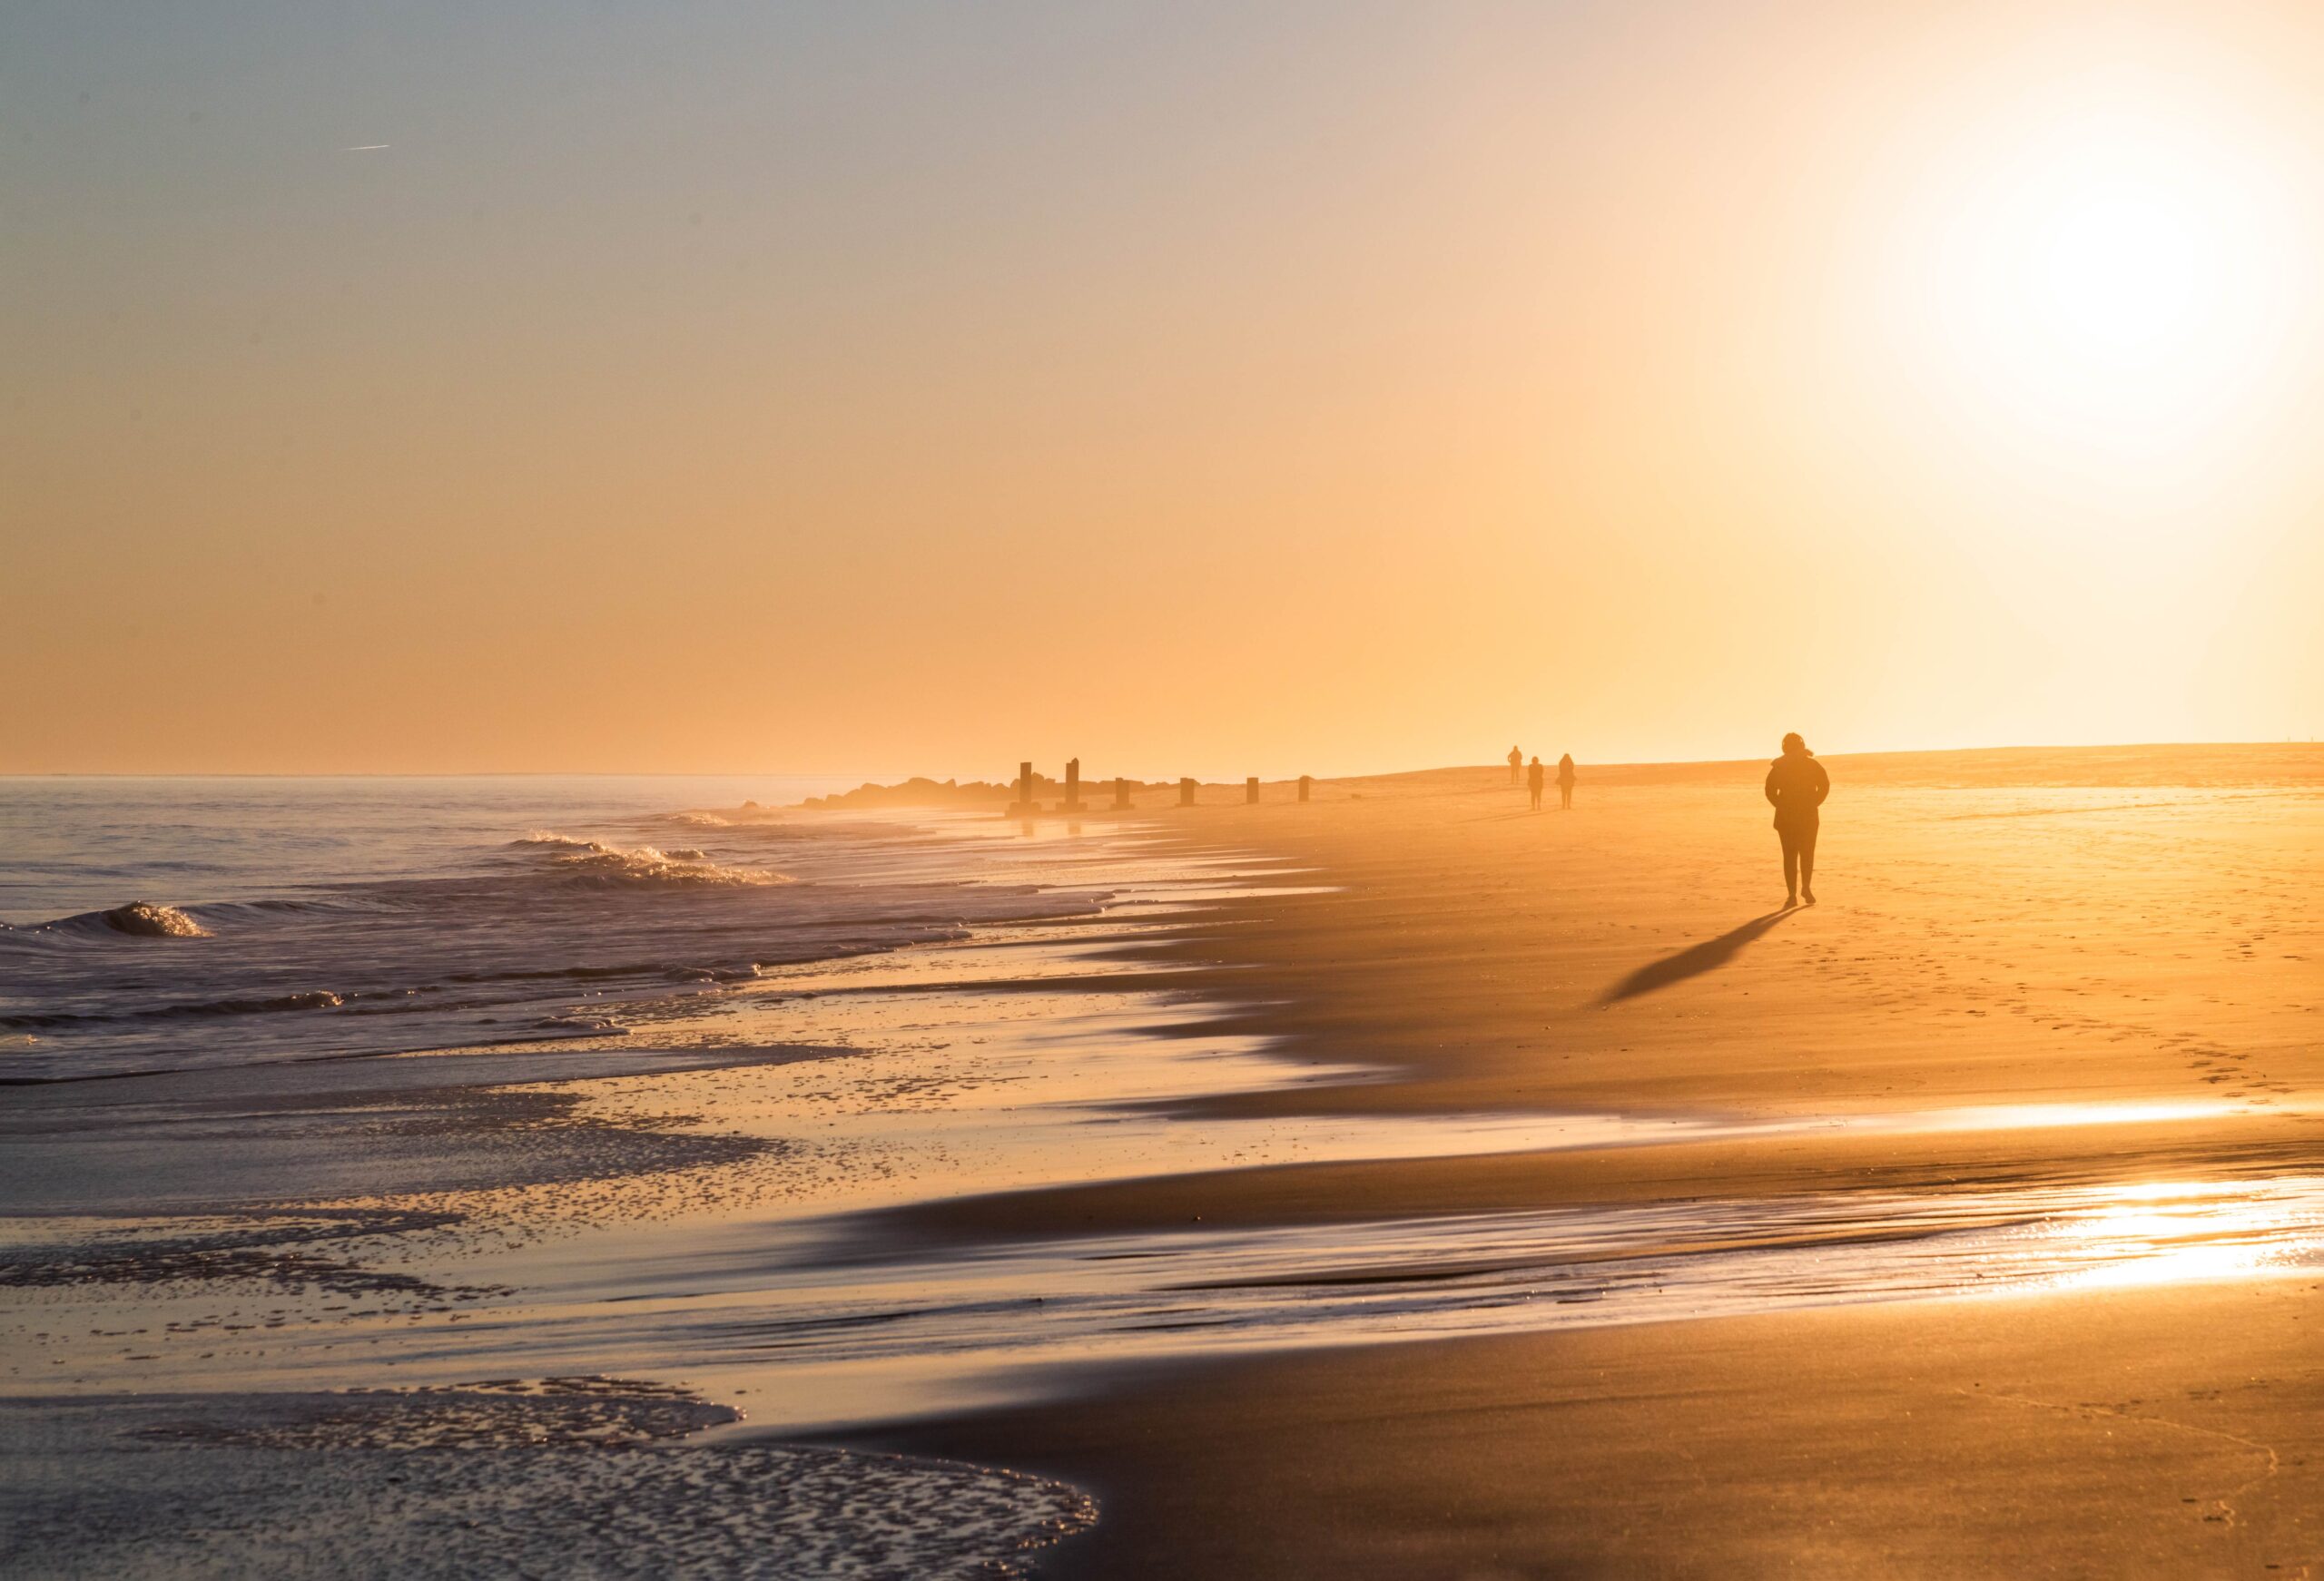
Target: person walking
1795,788
1534,782
1565,783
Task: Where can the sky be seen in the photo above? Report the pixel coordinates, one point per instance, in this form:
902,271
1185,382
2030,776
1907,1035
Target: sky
1194,389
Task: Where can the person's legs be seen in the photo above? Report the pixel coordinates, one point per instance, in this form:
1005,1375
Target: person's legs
1790,863
1565,797
1807,864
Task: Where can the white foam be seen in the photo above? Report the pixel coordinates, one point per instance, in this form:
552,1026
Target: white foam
572,856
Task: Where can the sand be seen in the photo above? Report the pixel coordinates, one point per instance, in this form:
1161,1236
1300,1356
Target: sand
2172,1433
2132,935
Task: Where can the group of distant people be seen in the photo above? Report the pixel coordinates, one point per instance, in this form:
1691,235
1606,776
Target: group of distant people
1536,776
1796,787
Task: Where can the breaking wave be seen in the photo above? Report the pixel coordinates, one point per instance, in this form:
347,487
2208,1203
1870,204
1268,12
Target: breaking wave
583,1025
138,919
313,1000
595,862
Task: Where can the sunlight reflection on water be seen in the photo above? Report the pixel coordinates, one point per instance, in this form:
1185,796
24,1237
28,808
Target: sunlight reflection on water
852,1340
1118,1297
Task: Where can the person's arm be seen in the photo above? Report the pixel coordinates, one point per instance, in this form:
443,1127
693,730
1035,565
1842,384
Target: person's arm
1773,799
1823,785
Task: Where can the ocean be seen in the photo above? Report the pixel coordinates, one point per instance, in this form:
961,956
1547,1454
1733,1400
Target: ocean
178,924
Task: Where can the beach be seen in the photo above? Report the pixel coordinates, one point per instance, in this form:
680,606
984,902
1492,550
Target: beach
909,793
1398,1183
2105,971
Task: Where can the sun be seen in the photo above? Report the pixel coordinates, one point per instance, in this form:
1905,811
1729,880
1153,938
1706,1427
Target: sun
2104,276
2121,276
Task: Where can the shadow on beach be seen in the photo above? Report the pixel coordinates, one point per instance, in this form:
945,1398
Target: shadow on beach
1692,961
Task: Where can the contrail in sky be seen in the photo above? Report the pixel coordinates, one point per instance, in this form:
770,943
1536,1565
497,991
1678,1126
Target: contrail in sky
363,148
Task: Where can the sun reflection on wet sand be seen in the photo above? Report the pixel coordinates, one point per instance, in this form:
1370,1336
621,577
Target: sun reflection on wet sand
2043,1116
2170,1232
815,1333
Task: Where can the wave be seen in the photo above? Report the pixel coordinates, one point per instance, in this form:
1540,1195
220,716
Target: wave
699,819
138,919
313,1000
248,1005
584,1025
595,860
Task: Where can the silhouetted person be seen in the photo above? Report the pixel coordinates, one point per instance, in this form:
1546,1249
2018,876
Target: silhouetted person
1565,783
1797,786
1516,761
1534,782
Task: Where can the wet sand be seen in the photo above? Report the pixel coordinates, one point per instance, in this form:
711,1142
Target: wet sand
2129,934
2165,1432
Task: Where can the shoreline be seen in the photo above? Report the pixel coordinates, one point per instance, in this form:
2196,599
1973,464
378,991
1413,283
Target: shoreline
1370,994
518,1161
1337,1461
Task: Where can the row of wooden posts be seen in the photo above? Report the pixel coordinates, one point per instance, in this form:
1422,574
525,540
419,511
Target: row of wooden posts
1073,803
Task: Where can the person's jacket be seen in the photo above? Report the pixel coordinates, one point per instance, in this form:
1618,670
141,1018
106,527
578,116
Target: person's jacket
1795,788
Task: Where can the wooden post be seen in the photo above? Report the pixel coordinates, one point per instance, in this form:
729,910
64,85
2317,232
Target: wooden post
1185,792
1121,793
1307,785
1251,790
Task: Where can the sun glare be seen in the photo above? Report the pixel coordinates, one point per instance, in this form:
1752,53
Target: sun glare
2120,276
2111,274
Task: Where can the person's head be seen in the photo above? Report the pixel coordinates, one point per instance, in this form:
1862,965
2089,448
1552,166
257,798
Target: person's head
1536,757
1793,747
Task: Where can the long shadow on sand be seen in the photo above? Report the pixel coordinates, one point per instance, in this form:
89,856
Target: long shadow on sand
1692,961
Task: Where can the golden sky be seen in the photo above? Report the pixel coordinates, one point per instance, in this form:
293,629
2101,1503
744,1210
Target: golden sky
1199,389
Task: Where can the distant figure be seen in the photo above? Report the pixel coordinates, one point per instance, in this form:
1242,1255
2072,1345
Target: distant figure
1533,782
1516,761
1797,786
1565,783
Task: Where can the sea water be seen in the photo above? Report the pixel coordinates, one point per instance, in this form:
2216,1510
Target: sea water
174,924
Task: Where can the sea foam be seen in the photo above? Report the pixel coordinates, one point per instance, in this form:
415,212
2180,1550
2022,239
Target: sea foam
595,860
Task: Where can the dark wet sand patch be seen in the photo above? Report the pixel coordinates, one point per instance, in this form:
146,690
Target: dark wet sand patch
2165,1432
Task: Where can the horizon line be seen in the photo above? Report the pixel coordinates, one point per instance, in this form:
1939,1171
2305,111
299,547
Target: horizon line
825,774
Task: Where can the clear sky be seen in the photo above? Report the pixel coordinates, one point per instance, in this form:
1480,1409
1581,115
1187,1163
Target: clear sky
1202,388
